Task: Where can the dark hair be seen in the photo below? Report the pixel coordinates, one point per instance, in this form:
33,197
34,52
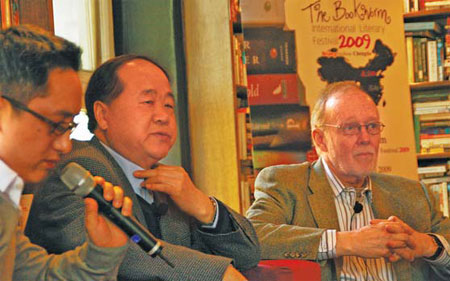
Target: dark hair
27,55
105,84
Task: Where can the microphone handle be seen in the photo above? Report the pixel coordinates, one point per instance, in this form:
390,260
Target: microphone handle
136,231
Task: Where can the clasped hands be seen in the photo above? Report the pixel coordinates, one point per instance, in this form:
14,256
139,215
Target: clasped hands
390,238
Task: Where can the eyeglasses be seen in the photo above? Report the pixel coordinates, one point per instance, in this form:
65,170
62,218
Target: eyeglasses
351,129
57,128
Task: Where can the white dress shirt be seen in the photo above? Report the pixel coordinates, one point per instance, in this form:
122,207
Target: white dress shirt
353,267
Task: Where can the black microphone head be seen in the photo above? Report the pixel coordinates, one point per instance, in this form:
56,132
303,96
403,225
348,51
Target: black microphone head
77,179
358,207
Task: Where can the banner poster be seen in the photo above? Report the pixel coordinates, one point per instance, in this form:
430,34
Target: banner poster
363,41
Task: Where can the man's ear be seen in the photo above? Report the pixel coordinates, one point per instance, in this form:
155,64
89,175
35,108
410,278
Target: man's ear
318,137
101,114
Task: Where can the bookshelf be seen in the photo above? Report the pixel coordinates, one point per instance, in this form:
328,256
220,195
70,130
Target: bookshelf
429,53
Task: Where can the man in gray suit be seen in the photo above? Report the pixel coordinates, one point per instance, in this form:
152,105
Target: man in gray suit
131,111
40,94
357,224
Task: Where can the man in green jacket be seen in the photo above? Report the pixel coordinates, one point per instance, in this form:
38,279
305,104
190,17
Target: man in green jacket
357,224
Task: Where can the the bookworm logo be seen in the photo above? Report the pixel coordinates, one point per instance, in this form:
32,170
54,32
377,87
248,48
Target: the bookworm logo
336,68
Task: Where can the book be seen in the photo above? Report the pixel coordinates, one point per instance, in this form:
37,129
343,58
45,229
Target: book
433,5
436,180
420,105
440,58
432,110
276,55
434,117
435,130
434,136
423,25
432,60
440,193
410,58
432,169
430,95
416,121
417,55
422,33
435,142
423,57
273,89
433,124
281,134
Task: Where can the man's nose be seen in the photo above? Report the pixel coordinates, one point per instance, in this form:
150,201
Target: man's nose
364,135
160,114
62,143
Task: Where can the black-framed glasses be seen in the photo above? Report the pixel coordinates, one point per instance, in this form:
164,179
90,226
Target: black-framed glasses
57,128
373,128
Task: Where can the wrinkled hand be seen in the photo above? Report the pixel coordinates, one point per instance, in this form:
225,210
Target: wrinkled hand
175,182
232,274
101,231
371,241
418,244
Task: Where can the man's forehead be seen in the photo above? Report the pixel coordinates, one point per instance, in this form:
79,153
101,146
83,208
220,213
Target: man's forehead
349,103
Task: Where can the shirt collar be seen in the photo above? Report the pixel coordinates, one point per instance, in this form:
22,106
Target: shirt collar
10,183
338,187
128,168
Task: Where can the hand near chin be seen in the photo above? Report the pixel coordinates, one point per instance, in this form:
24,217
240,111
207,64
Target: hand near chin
175,182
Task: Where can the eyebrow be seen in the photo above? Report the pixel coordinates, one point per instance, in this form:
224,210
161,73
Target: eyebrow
66,114
152,92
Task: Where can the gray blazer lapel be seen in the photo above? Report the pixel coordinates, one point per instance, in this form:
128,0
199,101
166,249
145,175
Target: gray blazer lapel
384,205
322,198
122,181
174,224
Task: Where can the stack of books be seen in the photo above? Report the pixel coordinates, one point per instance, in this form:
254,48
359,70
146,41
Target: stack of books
425,48
437,178
432,120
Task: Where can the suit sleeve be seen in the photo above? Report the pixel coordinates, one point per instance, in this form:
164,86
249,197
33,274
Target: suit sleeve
32,262
59,226
441,226
239,242
280,207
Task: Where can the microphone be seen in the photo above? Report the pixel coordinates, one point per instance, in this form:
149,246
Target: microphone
358,207
82,183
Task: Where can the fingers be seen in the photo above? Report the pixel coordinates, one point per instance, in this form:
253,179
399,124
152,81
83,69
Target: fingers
405,253
127,207
91,210
394,257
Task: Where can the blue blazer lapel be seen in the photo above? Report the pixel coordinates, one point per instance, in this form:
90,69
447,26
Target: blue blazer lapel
321,199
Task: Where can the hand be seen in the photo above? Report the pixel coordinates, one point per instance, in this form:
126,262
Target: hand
175,182
418,245
101,231
231,274
371,241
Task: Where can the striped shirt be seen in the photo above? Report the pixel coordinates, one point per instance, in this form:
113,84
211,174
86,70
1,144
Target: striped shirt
353,267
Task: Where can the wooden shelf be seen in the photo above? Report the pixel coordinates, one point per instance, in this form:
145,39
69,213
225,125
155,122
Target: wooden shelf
433,156
426,15
430,85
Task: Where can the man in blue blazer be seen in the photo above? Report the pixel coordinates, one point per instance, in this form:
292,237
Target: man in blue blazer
357,224
131,111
